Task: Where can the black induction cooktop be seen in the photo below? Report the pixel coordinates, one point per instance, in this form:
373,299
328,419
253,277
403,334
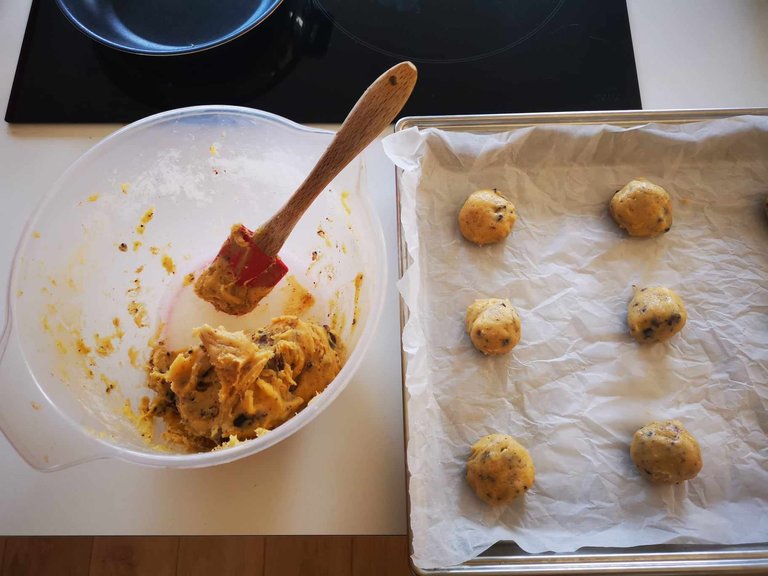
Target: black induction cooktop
311,59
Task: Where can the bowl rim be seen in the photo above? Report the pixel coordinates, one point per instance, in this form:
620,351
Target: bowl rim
163,50
247,447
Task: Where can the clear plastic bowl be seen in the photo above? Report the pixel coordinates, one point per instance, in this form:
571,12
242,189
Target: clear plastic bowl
90,288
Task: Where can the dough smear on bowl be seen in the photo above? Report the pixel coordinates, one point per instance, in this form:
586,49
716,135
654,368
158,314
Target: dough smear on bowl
499,469
493,325
665,452
241,384
642,209
486,217
655,314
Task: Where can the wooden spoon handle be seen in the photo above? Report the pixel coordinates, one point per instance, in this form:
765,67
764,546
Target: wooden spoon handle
373,112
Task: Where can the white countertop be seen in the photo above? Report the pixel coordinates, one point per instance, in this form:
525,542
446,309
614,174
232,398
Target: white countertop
343,473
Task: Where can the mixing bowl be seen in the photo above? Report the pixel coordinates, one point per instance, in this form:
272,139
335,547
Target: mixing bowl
102,270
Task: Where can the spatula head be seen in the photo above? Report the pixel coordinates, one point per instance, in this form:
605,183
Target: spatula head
251,266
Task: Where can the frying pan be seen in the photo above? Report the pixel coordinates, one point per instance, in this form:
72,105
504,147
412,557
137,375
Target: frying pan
165,27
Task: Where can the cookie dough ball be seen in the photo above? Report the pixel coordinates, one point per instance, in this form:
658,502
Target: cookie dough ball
499,469
486,217
665,452
642,209
655,314
493,325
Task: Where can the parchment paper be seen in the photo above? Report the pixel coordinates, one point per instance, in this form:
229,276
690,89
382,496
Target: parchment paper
577,386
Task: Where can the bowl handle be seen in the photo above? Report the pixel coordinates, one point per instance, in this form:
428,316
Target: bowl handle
31,423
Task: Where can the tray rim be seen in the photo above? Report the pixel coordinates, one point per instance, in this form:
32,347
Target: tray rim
644,560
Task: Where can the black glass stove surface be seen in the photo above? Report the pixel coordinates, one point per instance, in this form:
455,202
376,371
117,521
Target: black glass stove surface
311,60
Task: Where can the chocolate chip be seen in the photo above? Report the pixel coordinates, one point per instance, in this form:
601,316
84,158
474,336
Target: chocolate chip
278,362
242,420
648,332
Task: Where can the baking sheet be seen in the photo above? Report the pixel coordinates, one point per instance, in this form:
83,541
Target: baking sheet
577,386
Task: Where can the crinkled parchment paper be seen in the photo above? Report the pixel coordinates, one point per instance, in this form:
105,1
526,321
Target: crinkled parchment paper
577,386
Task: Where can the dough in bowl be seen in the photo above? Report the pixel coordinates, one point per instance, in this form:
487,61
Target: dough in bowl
486,217
642,209
655,314
665,452
238,385
499,469
493,325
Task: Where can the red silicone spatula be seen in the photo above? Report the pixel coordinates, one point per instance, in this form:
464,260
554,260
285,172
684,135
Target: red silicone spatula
247,266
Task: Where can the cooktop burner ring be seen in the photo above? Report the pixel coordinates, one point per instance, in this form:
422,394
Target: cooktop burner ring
417,13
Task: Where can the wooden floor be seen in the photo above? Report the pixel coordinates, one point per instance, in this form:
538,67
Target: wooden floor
204,555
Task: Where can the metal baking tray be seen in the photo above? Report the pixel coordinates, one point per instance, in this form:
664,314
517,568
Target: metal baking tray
506,557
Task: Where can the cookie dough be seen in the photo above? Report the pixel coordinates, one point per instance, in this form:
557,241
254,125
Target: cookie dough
240,384
655,314
486,217
665,452
499,469
493,325
642,209
217,285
